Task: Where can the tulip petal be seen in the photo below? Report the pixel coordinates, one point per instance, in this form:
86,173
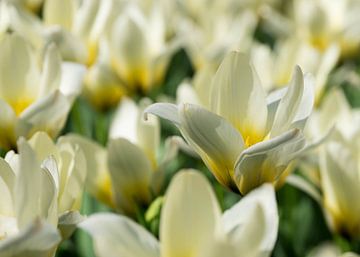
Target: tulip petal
115,235
189,217
125,121
51,71
17,86
238,96
72,75
60,13
130,172
8,122
98,178
340,187
48,114
39,239
165,111
214,139
7,180
266,161
252,224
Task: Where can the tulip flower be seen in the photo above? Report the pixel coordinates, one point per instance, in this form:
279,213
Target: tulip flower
246,139
140,51
339,172
129,172
192,225
275,67
28,211
329,250
323,23
33,98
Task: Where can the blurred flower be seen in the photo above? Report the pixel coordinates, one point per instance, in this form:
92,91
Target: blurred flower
247,139
324,23
339,170
213,37
129,173
28,212
275,67
329,250
191,225
138,46
33,97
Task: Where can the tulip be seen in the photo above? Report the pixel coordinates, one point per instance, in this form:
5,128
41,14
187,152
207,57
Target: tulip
275,67
33,98
329,250
192,225
246,139
339,172
128,173
139,49
28,211
323,23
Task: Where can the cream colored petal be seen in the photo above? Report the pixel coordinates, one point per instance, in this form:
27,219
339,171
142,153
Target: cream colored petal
48,114
28,185
60,12
165,111
325,250
18,73
252,224
131,173
214,139
8,123
43,146
38,239
130,51
115,235
125,121
72,75
339,181
85,18
289,104
186,93
49,187
266,161
98,181
74,180
189,217
148,133
7,180
202,84
51,71
238,96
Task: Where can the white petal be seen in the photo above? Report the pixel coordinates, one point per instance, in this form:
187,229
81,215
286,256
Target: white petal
51,71
8,122
165,111
124,123
59,13
18,73
36,240
252,224
72,75
48,114
131,172
266,161
189,216
98,178
115,235
186,93
7,180
238,96
214,139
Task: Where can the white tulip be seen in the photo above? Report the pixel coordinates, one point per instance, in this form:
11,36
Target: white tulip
33,98
247,139
192,225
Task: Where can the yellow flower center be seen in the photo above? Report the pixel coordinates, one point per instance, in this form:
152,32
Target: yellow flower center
20,105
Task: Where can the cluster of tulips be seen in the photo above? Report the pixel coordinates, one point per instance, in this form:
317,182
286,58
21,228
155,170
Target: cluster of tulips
179,128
